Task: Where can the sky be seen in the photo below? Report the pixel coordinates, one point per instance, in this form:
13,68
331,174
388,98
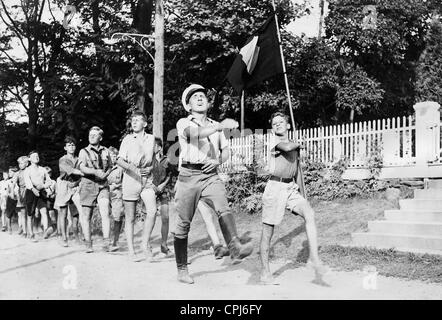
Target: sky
307,25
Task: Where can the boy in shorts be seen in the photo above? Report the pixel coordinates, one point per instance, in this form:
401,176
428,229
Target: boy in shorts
4,198
37,180
49,194
283,192
135,157
95,163
67,195
11,201
115,180
23,163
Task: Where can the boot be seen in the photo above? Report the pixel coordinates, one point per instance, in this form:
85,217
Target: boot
238,251
221,251
117,230
180,246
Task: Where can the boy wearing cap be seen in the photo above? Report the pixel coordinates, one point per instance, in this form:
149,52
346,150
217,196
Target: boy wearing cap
135,157
285,191
115,180
95,164
36,179
203,147
68,195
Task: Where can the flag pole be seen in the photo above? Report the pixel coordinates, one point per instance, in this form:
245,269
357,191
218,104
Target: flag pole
283,68
242,112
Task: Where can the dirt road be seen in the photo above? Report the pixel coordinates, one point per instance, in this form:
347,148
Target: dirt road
46,270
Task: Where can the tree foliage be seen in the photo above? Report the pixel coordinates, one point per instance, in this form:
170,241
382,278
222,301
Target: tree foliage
429,69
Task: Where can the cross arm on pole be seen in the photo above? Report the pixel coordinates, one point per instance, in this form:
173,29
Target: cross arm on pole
142,40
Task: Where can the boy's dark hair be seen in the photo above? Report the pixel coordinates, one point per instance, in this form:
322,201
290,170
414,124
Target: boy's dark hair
70,139
279,114
138,113
159,141
32,152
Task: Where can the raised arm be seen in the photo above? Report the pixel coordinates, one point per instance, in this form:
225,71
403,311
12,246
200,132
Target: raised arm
287,146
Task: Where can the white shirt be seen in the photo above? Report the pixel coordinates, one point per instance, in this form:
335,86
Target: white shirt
199,150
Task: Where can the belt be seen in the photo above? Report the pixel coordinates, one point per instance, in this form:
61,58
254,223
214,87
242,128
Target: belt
285,180
193,166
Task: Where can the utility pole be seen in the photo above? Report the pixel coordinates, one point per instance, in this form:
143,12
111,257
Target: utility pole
158,82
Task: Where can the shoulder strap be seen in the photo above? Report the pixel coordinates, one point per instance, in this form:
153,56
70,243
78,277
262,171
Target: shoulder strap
89,157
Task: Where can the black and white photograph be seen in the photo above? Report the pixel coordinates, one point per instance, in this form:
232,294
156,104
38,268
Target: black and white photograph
220,154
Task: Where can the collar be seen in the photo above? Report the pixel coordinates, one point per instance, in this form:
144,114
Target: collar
192,118
134,135
100,148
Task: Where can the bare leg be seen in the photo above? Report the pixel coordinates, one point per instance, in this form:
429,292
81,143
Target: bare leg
310,227
164,210
44,218
149,199
129,212
76,201
87,215
24,223
63,223
103,207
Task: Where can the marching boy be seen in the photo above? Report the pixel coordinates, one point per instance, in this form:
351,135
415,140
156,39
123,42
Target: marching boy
95,164
283,192
203,147
115,180
67,194
162,174
19,178
135,157
3,199
37,180
50,192
11,201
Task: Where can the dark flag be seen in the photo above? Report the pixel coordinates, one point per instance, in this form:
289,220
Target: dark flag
259,59
143,16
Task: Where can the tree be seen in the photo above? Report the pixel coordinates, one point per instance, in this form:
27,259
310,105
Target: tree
429,68
388,53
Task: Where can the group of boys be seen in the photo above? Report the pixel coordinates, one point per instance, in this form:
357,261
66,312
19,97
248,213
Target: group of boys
115,180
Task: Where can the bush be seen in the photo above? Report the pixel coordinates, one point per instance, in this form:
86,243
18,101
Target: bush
245,189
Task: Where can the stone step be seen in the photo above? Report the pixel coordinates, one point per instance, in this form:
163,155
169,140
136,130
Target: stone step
406,227
387,240
435,184
421,204
413,215
427,194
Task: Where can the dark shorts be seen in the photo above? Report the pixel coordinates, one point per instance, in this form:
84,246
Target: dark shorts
33,202
11,204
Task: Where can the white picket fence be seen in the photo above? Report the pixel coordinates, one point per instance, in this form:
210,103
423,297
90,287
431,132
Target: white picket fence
393,137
